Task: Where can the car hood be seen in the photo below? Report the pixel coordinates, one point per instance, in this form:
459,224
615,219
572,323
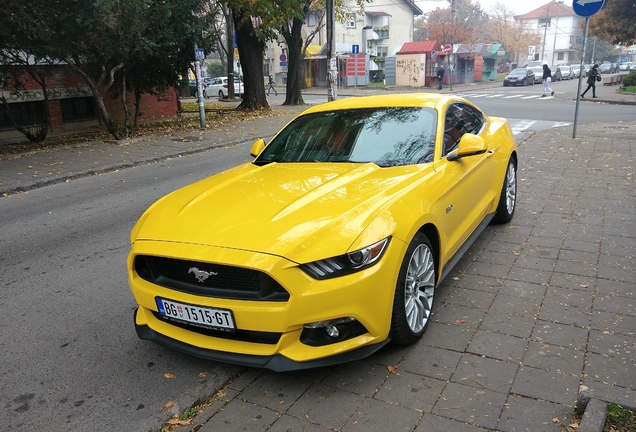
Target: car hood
300,211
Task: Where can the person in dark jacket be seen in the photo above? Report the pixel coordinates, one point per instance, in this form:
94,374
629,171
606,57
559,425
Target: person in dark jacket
591,80
547,79
440,77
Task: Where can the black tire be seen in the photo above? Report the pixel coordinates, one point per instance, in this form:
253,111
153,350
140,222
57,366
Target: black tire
414,292
221,95
508,196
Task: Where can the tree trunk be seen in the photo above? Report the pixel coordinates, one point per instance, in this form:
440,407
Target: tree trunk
251,50
102,85
295,77
229,38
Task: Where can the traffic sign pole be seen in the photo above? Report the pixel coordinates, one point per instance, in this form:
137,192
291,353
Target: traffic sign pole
584,8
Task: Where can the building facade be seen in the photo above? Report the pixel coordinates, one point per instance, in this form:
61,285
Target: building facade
561,32
71,103
377,31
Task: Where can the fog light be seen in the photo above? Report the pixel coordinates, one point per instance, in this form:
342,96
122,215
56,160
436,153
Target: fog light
333,331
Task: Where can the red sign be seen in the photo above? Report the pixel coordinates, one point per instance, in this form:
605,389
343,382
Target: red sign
446,49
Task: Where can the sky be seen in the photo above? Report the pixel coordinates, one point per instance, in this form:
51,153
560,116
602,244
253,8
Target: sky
520,7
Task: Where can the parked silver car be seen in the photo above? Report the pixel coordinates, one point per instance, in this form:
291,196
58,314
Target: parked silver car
538,74
567,72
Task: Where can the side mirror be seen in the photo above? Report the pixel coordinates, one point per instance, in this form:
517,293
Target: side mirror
469,145
257,147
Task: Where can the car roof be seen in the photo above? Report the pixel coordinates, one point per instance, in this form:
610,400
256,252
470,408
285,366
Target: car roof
420,100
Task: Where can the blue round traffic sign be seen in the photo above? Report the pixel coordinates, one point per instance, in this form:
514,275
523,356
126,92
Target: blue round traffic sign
587,8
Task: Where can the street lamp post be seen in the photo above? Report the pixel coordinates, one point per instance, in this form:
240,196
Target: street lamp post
545,31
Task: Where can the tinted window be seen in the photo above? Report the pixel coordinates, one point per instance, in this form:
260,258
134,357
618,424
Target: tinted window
461,118
386,136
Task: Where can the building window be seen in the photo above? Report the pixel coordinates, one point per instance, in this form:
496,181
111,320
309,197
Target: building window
544,22
311,20
561,56
351,21
382,51
75,109
24,114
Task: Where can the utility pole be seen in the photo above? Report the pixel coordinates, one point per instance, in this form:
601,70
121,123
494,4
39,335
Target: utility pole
332,69
451,59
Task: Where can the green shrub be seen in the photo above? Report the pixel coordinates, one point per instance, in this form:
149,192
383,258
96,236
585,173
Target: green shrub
630,79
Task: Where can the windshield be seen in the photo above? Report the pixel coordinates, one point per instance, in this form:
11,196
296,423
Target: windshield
386,136
518,72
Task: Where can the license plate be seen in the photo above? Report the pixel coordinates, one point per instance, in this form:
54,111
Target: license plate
220,319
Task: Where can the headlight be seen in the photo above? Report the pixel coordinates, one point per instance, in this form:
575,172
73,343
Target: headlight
348,263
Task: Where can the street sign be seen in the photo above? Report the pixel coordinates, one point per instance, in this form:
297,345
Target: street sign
446,49
587,8
199,54
283,58
355,49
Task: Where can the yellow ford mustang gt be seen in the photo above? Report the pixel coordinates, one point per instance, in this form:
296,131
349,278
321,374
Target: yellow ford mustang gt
330,243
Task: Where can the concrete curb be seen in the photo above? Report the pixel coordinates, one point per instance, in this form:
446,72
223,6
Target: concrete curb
593,407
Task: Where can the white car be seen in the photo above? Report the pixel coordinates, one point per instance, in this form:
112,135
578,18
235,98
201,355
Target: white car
219,86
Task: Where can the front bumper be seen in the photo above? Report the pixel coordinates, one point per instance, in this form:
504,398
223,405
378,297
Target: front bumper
366,296
276,362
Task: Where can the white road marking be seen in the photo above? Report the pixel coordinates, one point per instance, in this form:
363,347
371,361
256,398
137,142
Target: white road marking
521,126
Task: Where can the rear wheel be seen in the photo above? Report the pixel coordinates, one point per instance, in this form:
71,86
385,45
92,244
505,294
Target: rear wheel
414,292
508,197
221,95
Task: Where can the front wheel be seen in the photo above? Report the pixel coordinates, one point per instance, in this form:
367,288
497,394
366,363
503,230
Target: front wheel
221,95
508,197
414,292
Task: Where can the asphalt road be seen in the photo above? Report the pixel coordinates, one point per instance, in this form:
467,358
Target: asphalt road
70,356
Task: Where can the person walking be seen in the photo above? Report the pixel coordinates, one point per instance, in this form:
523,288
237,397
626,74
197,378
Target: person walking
547,79
440,76
271,86
591,80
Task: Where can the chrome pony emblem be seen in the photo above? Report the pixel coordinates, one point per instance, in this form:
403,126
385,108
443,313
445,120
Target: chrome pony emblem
201,275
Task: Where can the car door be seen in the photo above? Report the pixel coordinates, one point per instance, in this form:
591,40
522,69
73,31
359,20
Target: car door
466,182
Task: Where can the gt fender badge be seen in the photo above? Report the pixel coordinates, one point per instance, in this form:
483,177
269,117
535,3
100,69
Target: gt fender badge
201,275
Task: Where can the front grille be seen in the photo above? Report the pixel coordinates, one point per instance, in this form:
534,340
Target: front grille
269,338
223,281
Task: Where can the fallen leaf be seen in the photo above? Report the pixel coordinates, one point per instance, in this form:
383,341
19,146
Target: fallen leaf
392,370
168,405
459,321
169,375
555,420
178,422
203,374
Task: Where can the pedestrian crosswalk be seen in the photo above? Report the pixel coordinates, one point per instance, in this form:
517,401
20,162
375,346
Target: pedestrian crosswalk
504,96
520,126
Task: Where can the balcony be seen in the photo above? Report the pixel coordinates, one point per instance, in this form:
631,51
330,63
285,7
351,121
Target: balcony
381,32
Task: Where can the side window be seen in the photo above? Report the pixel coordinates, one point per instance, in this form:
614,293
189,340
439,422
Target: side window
460,118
